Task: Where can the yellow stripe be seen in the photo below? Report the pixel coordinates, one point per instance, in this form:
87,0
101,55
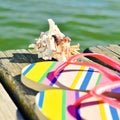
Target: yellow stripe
52,106
101,105
102,111
75,81
38,71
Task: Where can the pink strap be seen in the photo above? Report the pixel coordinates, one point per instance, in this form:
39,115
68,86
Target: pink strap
100,68
100,89
100,57
98,92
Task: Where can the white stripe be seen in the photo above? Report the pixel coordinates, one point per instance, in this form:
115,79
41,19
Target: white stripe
93,80
37,99
81,79
107,111
118,111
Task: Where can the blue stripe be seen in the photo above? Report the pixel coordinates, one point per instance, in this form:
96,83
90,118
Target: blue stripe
41,98
116,90
28,68
87,79
77,95
114,113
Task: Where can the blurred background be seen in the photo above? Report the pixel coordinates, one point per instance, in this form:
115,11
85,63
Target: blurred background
88,22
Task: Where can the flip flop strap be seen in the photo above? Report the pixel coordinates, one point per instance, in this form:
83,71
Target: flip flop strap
111,75
98,92
100,57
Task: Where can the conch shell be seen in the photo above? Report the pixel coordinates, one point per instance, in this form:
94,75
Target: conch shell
54,44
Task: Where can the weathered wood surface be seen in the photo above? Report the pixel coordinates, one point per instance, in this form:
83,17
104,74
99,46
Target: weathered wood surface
8,110
112,51
11,64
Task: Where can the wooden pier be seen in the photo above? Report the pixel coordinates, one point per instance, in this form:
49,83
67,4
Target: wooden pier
17,101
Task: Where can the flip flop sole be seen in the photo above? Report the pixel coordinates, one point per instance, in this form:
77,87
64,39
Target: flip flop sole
40,76
57,104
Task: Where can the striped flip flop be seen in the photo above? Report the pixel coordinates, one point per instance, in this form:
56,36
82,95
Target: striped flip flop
58,104
67,75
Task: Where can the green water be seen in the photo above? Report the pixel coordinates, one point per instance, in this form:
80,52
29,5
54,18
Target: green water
88,22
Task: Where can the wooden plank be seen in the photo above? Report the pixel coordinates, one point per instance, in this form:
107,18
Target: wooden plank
112,51
11,64
114,48
8,110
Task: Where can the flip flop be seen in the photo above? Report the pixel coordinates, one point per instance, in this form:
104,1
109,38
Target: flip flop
59,104
100,103
68,75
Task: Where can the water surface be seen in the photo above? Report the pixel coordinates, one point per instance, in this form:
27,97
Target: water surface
88,22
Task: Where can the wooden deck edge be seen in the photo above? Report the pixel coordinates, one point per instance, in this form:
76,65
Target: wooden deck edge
8,109
9,84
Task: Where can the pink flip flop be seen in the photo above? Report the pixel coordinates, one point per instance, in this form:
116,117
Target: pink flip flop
68,75
59,104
